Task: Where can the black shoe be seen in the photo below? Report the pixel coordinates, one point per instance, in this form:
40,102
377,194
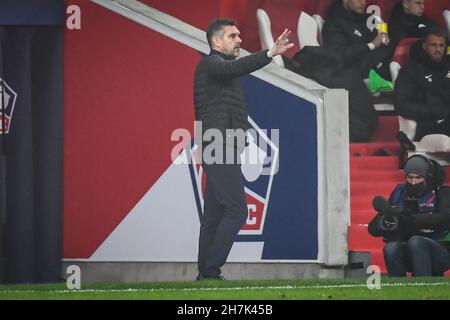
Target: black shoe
200,278
407,144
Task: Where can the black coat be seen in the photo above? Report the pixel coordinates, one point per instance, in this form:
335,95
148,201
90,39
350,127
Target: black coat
346,33
402,25
422,90
218,98
411,225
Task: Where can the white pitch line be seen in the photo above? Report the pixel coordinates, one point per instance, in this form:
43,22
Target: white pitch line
343,286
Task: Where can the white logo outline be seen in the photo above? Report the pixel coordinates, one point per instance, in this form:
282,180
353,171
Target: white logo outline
273,170
4,96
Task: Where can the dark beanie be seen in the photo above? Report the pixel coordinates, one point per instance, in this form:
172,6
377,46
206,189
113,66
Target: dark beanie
417,165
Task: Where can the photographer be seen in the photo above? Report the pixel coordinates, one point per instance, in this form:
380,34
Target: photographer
415,222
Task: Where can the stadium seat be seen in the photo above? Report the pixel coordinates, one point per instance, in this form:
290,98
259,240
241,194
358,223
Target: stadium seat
320,22
434,10
283,14
265,34
446,15
434,146
320,8
307,31
433,143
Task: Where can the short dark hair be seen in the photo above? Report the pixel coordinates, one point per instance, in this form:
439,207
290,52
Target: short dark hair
215,26
438,32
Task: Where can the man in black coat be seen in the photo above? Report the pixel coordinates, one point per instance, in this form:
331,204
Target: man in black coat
422,90
221,110
407,20
347,33
356,50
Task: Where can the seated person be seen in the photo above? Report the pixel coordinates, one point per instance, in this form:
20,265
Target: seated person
422,90
327,68
407,21
415,223
346,32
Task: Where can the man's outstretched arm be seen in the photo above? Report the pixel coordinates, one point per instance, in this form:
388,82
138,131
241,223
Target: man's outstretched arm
222,69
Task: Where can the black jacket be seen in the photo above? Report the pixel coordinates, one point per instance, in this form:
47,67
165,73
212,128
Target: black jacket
422,90
346,33
411,225
404,25
218,98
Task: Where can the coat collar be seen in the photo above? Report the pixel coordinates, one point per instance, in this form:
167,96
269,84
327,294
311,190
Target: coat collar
223,55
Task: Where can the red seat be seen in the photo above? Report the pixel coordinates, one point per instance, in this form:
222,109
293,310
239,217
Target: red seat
434,10
312,7
244,12
284,14
401,53
447,175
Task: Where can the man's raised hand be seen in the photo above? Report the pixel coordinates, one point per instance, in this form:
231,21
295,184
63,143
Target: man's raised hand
282,44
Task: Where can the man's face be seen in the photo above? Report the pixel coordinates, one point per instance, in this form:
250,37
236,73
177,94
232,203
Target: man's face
434,46
414,7
357,6
228,41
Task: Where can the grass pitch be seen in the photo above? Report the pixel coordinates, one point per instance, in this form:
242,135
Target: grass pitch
339,289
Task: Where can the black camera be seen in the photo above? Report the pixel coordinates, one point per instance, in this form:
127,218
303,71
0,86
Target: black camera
389,220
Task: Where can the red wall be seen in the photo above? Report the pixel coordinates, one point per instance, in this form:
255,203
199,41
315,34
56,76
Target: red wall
126,88
195,12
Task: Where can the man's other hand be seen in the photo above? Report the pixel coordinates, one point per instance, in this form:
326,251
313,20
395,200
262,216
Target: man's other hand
380,39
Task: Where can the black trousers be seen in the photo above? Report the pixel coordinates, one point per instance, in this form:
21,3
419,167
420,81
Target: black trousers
423,256
426,127
372,60
363,119
225,212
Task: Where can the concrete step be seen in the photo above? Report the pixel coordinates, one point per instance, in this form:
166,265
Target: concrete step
374,163
393,176
371,188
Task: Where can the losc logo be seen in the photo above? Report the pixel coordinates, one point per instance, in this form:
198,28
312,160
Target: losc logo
259,165
7,102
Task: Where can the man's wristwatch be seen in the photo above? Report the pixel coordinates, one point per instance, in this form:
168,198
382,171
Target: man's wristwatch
371,46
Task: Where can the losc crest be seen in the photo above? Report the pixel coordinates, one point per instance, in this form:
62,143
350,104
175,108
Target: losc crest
259,165
8,98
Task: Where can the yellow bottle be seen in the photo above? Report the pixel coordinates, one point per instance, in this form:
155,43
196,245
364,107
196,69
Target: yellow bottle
382,27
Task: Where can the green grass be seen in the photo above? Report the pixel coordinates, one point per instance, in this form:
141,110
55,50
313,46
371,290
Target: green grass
408,288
